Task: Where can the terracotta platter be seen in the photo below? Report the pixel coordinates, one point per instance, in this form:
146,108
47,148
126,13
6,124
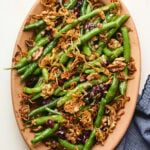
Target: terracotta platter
132,90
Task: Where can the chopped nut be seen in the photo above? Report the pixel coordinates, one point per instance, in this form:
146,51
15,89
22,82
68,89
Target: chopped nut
93,76
121,77
131,68
117,65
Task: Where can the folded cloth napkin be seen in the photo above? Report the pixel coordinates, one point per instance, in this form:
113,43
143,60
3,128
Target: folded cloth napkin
137,136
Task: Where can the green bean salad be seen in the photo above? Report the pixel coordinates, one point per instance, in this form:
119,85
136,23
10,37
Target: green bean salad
75,73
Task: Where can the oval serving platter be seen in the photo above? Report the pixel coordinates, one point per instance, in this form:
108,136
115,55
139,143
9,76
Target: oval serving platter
132,90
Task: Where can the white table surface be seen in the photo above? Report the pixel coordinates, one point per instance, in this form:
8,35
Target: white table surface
12,14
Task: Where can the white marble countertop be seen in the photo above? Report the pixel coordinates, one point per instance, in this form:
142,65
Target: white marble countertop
12,14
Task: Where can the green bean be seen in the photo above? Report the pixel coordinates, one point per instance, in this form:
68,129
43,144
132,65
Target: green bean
86,50
83,8
71,4
42,108
32,90
39,36
112,90
126,45
79,88
96,31
29,71
85,17
22,70
66,85
46,133
89,143
36,96
20,64
87,37
88,9
34,25
116,53
120,20
49,47
54,112
45,74
112,54
42,120
39,82
107,52
37,71
70,146
62,93
100,113
42,42
123,85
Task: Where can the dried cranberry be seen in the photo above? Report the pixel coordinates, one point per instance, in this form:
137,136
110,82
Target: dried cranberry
48,33
88,99
76,10
58,21
50,123
63,26
83,77
96,89
83,138
31,81
85,25
61,133
43,101
79,4
91,26
60,1
102,87
60,82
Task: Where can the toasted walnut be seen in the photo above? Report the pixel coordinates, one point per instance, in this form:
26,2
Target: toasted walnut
131,68
117,65
37,53
93,76
73,105
113,44
86,119
121,77
47,91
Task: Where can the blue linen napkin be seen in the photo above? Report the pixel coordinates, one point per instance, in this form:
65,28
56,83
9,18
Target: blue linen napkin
137,136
